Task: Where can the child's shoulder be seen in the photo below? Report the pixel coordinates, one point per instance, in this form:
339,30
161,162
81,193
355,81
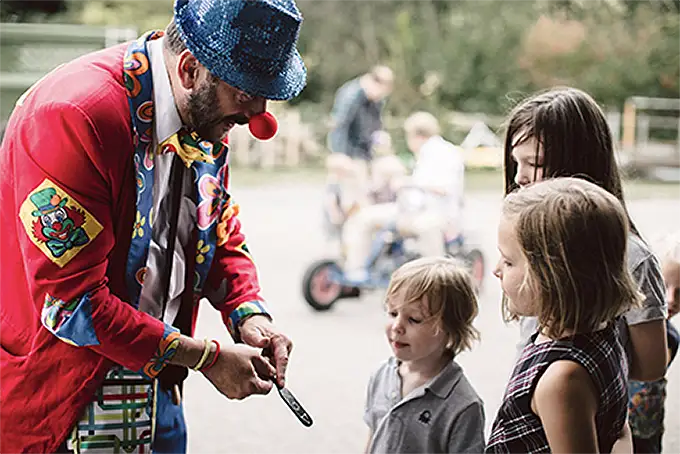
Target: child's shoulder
453,386
384,376
637,252
387,367
457,397
563,383
465,391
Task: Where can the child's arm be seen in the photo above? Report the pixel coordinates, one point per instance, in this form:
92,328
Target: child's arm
566,402
647,324
368,442
624,445
369,415
673,338
648,343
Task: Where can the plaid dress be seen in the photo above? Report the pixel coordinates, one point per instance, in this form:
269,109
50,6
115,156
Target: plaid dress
518,429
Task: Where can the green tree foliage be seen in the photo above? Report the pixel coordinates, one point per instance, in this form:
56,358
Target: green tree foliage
142,14
476,56
32,11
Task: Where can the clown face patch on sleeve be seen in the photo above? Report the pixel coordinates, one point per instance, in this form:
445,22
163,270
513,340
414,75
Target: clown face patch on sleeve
58,225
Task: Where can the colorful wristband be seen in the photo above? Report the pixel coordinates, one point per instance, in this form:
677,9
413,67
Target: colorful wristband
214,360
204,356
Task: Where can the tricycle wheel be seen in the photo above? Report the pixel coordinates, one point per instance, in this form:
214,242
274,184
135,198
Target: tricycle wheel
321,284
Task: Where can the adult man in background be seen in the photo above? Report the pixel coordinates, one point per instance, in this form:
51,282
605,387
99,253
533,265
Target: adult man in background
357,111
118,222
356,117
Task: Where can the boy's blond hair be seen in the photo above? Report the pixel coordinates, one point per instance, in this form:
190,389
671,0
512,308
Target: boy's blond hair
573,234
445,287
422,124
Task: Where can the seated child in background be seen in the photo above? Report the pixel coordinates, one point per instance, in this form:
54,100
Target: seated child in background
387,170
563,260
340,194
419,400
345,193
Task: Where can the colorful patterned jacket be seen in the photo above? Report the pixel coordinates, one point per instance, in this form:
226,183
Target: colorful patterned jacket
68,196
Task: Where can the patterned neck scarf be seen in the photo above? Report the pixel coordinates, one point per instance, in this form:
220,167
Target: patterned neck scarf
180,190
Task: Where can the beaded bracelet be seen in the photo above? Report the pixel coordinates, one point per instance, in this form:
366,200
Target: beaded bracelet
204,356
214,360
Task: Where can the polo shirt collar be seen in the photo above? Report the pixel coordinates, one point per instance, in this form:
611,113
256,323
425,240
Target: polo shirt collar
441,385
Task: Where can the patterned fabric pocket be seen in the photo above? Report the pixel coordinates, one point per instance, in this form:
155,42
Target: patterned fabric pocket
646,407
120,418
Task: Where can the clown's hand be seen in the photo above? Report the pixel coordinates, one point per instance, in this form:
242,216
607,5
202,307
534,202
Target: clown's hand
258,331
240,371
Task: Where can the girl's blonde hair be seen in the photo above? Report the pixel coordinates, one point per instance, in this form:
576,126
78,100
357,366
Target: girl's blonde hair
445,287
573,234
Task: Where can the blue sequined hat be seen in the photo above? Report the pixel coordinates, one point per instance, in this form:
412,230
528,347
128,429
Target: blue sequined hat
249,44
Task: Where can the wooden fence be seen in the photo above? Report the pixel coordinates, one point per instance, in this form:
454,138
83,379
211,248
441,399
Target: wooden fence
295,144
29,51
301,144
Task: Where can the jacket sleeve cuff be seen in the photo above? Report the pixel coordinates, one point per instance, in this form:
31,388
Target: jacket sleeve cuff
242,312
76,323
167,347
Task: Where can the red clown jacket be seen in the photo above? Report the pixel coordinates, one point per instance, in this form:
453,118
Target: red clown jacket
68,194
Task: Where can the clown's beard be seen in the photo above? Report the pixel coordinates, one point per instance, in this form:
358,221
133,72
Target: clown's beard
204,115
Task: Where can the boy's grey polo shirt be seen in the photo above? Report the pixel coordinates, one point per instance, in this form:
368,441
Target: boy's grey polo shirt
443,415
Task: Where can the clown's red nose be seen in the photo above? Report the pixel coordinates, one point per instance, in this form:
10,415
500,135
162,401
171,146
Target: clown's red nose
56,225
263,126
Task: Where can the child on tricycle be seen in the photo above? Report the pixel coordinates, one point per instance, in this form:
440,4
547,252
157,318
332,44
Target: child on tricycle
419,215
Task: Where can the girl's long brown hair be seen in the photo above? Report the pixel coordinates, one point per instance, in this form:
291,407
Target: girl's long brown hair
575,136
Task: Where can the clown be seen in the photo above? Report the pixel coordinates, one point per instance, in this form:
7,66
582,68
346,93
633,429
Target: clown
58,226
115,170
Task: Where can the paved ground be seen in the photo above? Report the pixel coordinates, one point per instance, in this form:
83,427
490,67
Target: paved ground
335,352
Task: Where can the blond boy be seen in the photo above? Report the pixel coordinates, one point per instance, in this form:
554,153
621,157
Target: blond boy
419,400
